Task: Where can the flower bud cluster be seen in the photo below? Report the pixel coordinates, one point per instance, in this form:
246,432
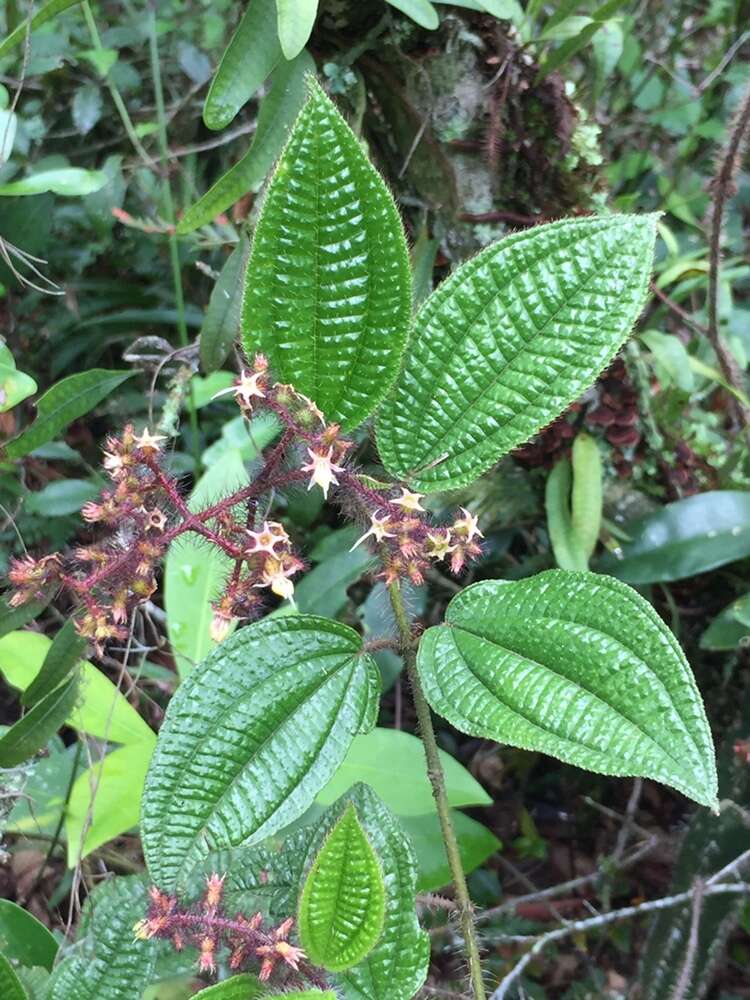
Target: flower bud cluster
207,927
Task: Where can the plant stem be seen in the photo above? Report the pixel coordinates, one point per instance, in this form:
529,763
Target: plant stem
114,91
437,780
174,252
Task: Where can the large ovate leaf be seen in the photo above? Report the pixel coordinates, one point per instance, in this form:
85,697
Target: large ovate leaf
64,402
248,59
277,113
686,537
575,665
251,737
509,341
329,289
107,962
295,22
342,905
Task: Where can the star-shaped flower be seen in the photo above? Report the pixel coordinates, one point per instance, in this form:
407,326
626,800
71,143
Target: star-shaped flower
323,470
148,441
378,529
245,389
467,526
409,500
270,535
439,544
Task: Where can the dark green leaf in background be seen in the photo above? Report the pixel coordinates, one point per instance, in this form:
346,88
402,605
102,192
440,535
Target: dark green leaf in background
10,985
221,325
23,938
62,404
66,650
32,732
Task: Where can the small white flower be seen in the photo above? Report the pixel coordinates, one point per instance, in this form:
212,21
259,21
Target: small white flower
245,389
323,470
409,500
378,529
468,525
149,441
270,535
439,544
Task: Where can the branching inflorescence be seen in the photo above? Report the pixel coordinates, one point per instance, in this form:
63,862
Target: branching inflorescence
145,511
207,927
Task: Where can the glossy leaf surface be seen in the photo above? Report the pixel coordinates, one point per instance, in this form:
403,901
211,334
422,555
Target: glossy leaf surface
420,11
221,325
248,59
242,987
475,843
100,710
194,573
251,737
686,537
295,20
66,650
277,113
575,665
329,288
11,987
107,962
375,757
509,341
23,938
64,403
342,906
32,732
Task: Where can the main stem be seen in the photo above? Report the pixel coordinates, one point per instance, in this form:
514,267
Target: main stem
437,780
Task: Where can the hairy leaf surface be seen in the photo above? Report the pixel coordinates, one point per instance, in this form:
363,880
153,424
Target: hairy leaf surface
329,288
575,665
242,987
107,962
342,905
251,737
509,341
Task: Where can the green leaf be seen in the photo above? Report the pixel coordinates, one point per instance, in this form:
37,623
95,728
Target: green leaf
107,962
242,987
342,905
46,13
328,292
323,591
375,757
105,799
23,938
248,59
729,627
62,404
61,497
62,656
295,20
557,506
278,111
397,966
574,515
420,11
15,618
69,181
15,386
684,538
259,728
101,710
577,666
475,843
303,995
221,325
32,732
10,985
194,573
506,343
87,107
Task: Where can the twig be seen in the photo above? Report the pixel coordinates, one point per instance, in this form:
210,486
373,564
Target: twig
686,972
602,920
722,188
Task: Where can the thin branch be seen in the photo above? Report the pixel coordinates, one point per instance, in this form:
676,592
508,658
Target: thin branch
722,188
686,972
